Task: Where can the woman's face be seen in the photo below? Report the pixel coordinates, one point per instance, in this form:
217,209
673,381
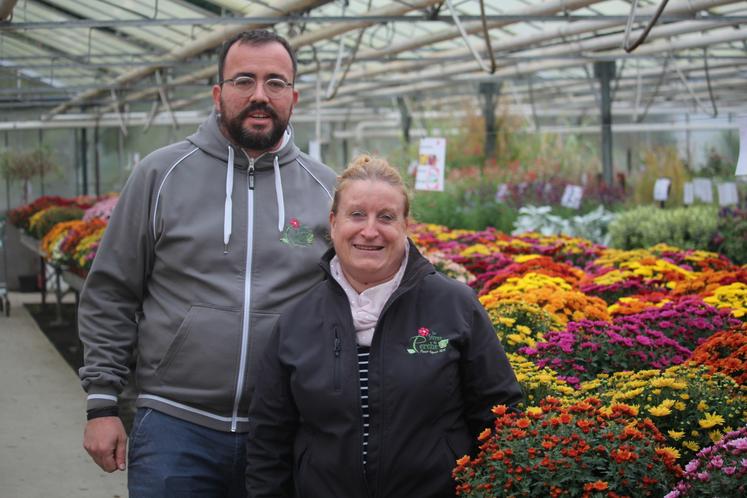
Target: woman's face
369,231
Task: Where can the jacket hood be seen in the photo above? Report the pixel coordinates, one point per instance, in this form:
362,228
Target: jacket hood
211,140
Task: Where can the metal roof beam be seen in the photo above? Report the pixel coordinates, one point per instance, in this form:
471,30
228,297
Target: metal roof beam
212,21
304,39
206,42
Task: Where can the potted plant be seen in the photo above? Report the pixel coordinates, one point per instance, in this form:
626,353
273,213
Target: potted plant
24,166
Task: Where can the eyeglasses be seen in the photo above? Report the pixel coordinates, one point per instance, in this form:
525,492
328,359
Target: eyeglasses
248,85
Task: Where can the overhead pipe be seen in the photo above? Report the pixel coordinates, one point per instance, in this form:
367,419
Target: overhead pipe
571,29
6,9
304,39
723,35
198,46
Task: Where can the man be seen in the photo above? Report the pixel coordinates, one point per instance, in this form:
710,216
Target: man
211,239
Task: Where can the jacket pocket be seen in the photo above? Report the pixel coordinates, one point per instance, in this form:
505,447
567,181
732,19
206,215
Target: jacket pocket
200,365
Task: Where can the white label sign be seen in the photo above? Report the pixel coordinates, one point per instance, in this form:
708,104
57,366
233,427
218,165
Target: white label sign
572,196
661,189
742,161
703,190
688,193
501,193
727,194
431,164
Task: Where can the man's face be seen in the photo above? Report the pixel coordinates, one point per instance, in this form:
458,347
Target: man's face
255,120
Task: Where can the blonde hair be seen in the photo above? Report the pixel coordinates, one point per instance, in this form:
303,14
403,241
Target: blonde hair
373,168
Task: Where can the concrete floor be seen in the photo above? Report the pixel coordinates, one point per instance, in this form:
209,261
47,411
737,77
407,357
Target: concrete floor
42,414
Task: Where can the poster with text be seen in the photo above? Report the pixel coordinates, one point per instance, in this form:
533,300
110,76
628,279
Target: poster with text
431,164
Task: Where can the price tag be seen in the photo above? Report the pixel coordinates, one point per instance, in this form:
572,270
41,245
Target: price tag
688,193
727,194
703,190
742,161
501,193
572,196
661,189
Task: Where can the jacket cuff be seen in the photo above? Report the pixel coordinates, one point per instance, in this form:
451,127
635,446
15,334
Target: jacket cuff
101,397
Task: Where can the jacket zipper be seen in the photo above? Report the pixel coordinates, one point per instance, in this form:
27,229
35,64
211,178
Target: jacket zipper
240,376
337,350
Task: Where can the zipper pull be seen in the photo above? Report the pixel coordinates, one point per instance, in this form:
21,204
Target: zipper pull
338,345
251,173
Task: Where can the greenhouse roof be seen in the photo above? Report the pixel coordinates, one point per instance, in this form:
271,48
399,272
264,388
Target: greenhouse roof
67,62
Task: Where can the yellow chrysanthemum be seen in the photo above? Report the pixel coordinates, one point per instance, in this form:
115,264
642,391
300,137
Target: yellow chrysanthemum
691,445
672,452
659,411
711,420
676,435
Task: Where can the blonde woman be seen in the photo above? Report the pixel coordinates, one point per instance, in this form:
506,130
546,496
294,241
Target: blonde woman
384,374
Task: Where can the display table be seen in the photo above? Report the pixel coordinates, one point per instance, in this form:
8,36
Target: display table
34,245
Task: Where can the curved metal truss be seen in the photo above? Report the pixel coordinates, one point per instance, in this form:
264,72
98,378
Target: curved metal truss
70,62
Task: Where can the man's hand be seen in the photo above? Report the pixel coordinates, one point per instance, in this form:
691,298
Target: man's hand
106,441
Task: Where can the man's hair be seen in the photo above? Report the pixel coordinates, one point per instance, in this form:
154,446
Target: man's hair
372,168
255,37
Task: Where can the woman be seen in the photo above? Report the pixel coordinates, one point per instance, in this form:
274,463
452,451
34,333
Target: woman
384,374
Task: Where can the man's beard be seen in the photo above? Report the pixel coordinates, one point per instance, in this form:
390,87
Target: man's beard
251,139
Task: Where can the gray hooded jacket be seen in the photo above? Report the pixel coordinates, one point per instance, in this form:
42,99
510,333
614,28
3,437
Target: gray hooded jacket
204,249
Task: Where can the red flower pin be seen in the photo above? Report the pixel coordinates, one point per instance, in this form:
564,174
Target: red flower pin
423,332
294,223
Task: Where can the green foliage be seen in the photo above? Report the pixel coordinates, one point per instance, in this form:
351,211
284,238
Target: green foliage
731,235
591,226
461,207
645,226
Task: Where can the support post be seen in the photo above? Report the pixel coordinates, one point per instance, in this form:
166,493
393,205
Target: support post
405,119
489,91
96,165
604,71
84,160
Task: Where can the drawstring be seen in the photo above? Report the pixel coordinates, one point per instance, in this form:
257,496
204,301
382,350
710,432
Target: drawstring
279,194
228,209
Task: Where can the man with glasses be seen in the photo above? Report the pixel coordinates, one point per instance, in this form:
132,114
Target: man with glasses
211,239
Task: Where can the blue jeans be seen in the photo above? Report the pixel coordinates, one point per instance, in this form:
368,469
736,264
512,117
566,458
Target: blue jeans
170,458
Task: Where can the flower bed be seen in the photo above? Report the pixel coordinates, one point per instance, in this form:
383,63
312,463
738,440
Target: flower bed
660,330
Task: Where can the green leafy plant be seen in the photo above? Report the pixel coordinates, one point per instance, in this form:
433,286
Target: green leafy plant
687,228
730,238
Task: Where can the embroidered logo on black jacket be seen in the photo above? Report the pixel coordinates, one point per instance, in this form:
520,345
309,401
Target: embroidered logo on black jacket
427,342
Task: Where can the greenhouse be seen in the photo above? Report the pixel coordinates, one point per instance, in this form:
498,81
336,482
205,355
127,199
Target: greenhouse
579,166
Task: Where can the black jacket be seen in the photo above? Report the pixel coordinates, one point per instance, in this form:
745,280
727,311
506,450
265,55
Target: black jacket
430,393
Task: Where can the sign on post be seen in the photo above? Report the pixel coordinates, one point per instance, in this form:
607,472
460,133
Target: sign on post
431,164
742,161
572,196
688,193
661,189
703,190
727,194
